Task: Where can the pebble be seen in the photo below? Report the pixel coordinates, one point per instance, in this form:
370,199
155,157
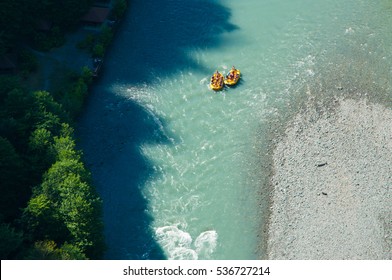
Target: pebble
350,223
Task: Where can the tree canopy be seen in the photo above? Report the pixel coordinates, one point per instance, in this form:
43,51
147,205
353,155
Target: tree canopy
48,206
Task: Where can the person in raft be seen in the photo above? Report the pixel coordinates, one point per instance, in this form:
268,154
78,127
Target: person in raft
216,78
233,73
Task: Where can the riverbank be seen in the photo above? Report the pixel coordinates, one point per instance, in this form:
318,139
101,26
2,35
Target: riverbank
50,84
331,196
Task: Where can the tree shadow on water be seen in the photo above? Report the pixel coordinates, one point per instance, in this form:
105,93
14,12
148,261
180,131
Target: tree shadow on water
156,36
153,39
111,133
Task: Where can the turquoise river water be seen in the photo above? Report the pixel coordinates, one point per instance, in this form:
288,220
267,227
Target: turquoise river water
180,167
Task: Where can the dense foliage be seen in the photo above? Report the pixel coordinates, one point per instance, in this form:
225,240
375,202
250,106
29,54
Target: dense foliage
56,215
48,207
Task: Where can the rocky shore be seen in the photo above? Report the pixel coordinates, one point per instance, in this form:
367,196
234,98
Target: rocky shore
332,184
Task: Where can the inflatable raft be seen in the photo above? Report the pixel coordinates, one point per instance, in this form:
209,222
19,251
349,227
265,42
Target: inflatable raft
217,81
232,77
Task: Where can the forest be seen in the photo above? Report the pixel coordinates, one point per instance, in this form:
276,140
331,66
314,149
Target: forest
49,208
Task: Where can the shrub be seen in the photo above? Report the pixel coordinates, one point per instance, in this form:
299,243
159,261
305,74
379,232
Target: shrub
105,36
99,51
119,8
87,75
28,62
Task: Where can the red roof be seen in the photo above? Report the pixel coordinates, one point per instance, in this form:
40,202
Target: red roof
96,15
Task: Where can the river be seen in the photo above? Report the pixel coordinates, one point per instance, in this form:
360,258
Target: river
182,170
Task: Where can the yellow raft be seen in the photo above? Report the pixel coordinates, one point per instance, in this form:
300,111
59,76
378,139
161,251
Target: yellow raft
217,82
232,77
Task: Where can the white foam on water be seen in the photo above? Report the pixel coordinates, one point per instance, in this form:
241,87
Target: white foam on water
178,244
171,237
183,254
349,31
206,243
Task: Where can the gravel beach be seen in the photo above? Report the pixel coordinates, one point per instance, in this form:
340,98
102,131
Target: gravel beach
332,184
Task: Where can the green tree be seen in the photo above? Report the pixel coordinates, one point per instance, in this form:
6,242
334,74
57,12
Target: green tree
105,36
119,8
41,154
40,140
87,75
44,250
48,250
27,63
74,98
99,50
81,211
8,83
64,147
44,102
71,252
42,220
17,103
44,113
10,241
66,201
14,192
16,122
